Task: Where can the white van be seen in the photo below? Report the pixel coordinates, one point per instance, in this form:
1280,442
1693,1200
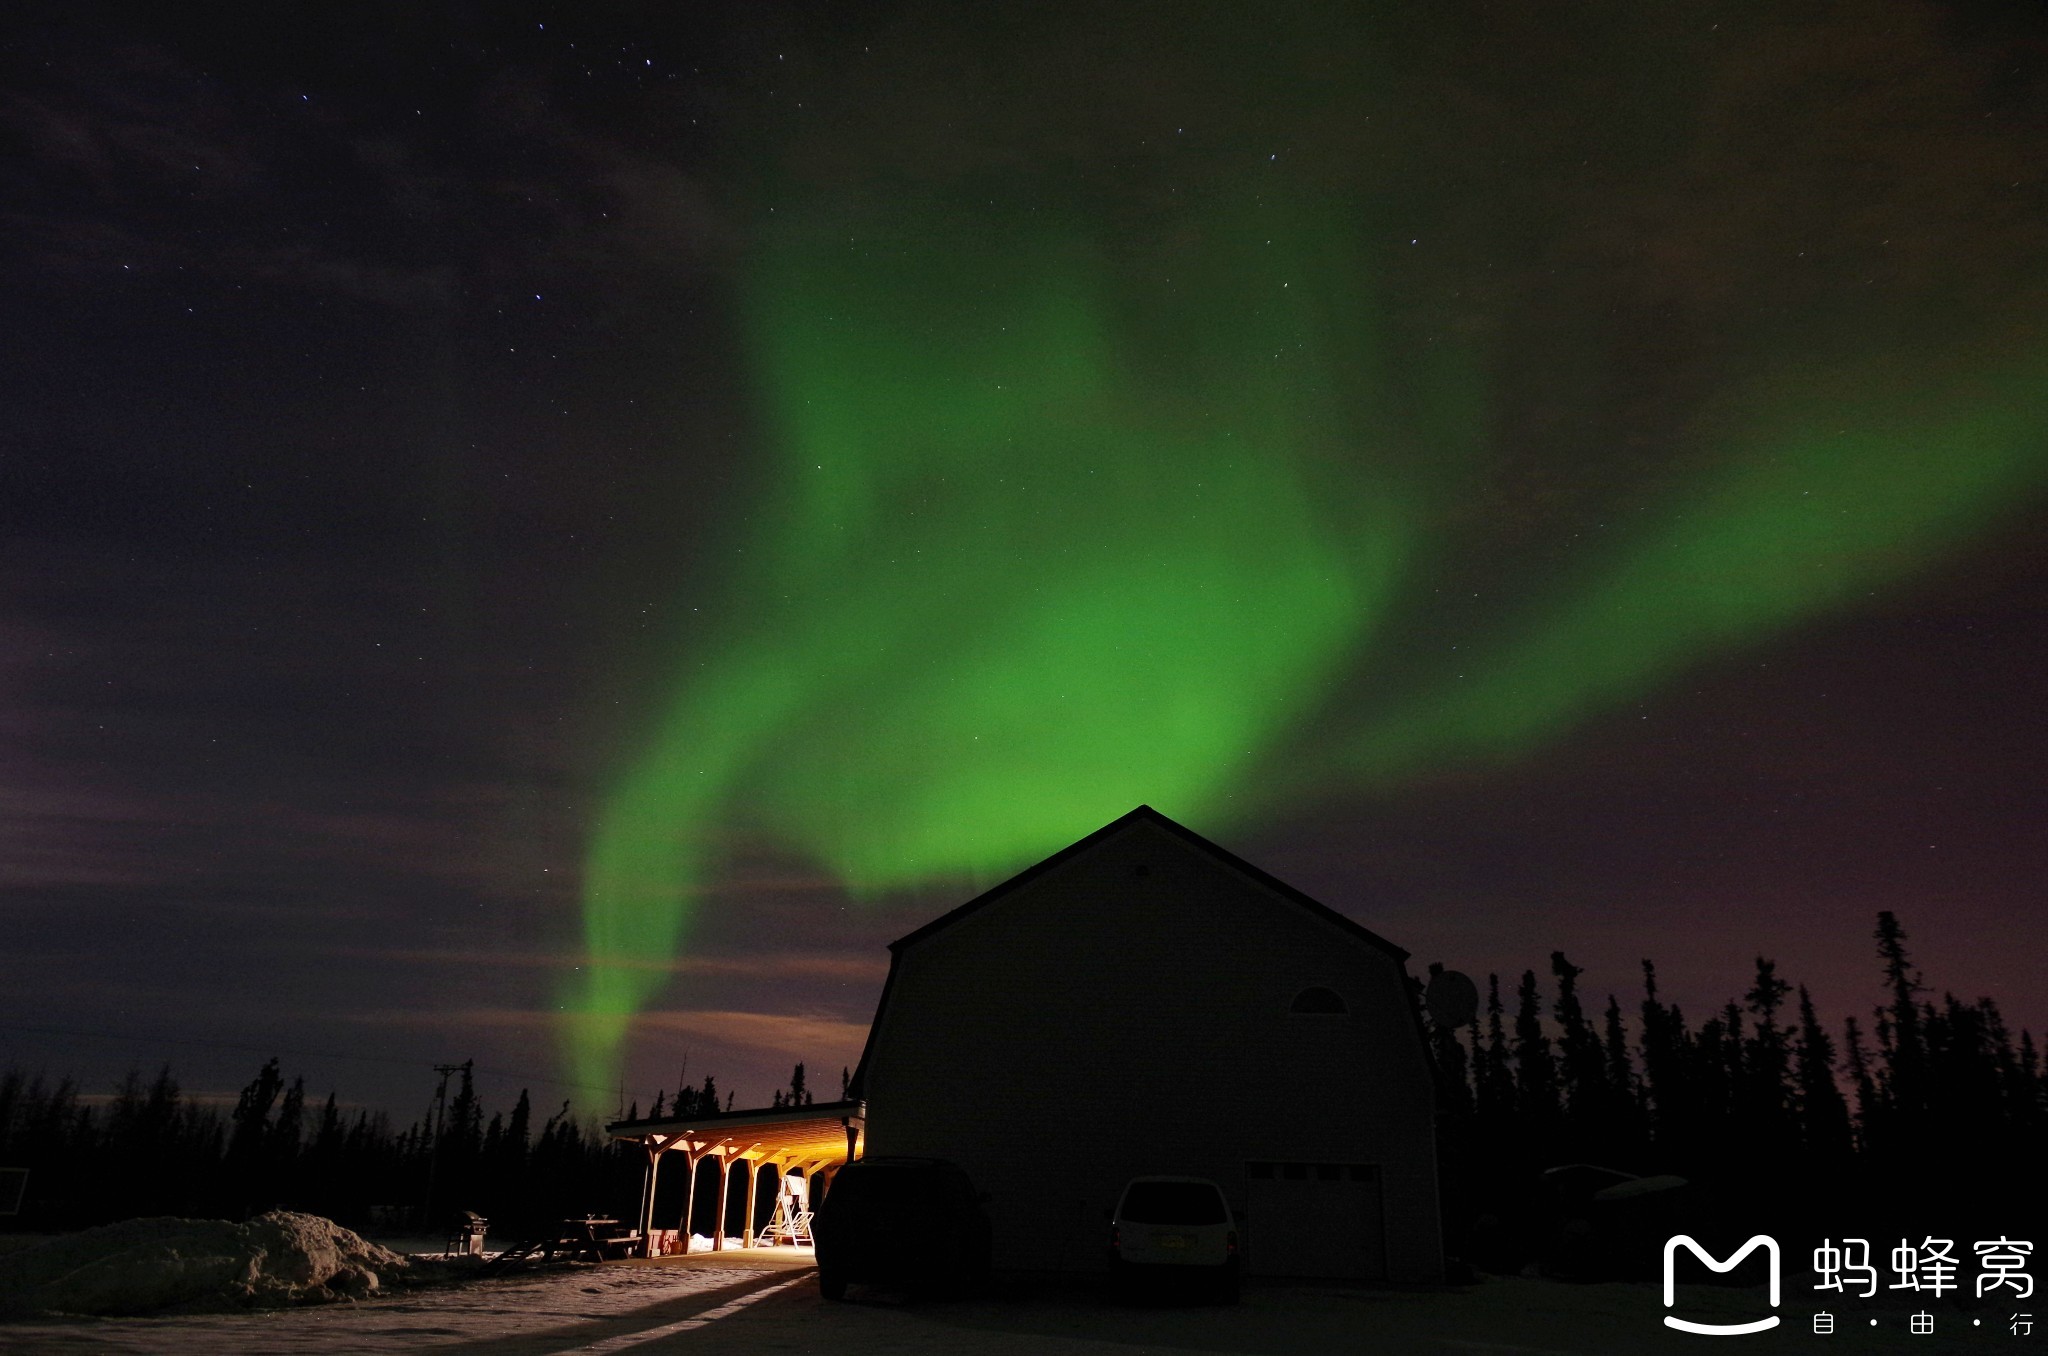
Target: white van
1175,1228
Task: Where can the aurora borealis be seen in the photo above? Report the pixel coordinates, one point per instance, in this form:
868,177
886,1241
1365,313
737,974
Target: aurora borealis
1806,517
1010,590
1071,513
560,533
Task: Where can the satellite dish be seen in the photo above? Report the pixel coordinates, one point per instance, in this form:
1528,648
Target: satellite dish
1452,999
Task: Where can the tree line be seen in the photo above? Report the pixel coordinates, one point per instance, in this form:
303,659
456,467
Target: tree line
1927,1113
151,1149
1930,1116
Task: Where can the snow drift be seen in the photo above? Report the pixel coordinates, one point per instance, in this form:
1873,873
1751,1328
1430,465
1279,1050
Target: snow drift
142,1266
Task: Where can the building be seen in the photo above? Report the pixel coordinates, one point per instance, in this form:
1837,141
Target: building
1145,1002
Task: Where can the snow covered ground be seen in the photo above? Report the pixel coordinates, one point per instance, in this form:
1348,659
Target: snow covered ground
547,1311
767,1301
1501,1317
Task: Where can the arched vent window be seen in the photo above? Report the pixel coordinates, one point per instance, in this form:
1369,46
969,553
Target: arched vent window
1318,1000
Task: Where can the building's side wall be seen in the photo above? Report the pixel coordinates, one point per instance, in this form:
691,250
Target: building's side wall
1097,1024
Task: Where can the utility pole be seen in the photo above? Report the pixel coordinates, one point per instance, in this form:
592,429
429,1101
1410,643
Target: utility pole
440,1116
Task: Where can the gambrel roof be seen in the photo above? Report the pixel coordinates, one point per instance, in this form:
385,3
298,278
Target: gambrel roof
1144,814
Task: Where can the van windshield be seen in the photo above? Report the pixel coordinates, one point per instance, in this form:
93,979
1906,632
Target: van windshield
1173,1203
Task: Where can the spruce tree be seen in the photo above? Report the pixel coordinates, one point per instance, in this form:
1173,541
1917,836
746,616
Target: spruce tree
464,1130
1496,1077
1823,1114
1535,1069
1899,1028
1584,1084
1621,1076
1870,1127
1475,1060
1767,1071
287,1132
518,1128
1660,1075
250,1133
327,1135
283,1145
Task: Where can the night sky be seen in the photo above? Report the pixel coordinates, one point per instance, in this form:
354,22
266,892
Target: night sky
551,536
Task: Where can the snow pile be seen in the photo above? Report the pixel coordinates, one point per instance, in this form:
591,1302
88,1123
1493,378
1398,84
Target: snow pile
142,1266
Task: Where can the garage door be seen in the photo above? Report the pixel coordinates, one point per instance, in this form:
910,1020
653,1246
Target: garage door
1314,1219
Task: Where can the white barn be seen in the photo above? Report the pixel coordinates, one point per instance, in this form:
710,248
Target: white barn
1145,1002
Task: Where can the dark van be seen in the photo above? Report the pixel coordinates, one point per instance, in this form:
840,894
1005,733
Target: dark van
913,1224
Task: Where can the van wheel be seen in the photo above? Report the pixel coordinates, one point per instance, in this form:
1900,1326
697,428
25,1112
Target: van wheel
831,1284
1229,1289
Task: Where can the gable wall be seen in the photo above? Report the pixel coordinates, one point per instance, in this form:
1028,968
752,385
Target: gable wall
1094,1024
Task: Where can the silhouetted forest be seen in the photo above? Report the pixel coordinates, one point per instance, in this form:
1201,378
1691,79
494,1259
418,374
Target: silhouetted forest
152,1150
1932,1117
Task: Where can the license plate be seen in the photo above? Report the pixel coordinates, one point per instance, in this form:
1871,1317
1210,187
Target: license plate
1170,1240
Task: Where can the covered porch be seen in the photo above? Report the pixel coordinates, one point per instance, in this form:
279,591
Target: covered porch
814,1141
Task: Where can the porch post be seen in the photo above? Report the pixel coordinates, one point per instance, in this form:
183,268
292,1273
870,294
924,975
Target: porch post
812,1196
747,1224
689,1196
724,1180
646,1179
646,1222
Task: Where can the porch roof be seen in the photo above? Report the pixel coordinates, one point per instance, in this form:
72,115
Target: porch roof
798,1134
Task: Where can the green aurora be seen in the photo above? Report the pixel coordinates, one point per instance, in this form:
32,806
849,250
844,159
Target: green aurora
1013,587
1050,535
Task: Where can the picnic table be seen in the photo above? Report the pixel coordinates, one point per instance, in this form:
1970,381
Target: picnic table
599,1238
